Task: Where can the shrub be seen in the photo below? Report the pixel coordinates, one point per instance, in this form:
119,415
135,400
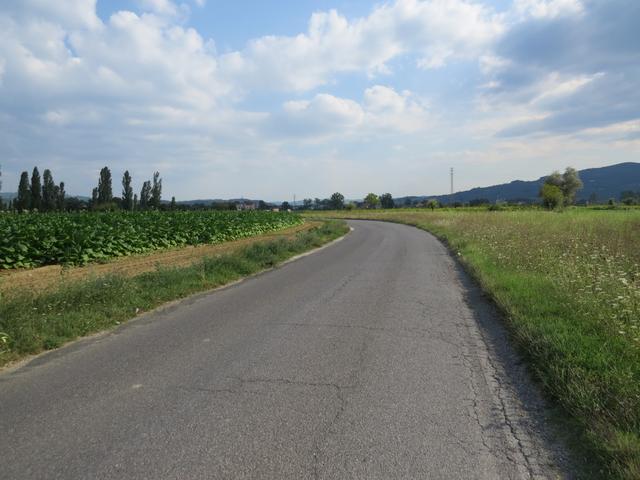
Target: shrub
552,197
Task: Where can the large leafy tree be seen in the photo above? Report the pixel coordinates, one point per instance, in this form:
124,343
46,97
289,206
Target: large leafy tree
571,184
36,190
48,191
386,201
105,190
337,201
371,200
127,191
552,196
568,184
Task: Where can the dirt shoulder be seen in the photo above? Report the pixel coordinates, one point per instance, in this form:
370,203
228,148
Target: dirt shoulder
44,278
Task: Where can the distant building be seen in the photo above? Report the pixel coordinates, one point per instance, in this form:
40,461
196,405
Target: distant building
246,206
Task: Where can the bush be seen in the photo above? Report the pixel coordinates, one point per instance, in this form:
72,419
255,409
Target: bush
432,204
552,196
497,207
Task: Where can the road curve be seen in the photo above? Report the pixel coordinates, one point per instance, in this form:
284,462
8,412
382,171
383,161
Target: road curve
374,358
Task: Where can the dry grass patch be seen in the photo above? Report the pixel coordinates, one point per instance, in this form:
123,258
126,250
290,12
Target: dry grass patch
52,276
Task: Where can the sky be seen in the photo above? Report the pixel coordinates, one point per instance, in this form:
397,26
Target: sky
270,99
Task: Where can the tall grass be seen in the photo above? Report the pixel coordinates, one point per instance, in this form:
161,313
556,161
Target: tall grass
569,284
31,322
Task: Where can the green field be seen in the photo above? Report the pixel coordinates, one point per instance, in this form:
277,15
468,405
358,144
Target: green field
31,240
569,285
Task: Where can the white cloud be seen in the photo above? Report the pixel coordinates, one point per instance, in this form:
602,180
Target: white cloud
437,30
143,90
490,64
68,13
383,111
537,9
391,111
57,117
319,117
568,66
160,7
554,86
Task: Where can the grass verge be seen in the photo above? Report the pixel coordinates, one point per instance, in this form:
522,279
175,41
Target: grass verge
569,285
31,322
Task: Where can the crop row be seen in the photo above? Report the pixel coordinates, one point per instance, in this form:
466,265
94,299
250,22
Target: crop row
31,240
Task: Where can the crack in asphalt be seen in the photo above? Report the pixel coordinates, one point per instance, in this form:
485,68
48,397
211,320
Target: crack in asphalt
391,331
480,360
473,357
287,381
342,402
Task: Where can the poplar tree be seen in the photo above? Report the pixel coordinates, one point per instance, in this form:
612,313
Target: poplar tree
127,192
156,190
48,191
36,190
60,196
105,191
145,195
23,202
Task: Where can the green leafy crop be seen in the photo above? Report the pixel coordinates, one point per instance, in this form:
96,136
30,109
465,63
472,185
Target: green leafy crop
31,240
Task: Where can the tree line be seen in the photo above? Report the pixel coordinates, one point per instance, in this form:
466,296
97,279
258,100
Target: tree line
39,193
42,194
337,202
36,193
558,190
150,197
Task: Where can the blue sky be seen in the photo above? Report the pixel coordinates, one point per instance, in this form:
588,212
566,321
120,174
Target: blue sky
270,98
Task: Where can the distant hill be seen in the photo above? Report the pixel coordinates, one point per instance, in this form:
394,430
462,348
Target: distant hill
7,196
209,201
600,184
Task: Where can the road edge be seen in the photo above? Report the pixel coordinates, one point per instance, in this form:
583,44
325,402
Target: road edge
11,367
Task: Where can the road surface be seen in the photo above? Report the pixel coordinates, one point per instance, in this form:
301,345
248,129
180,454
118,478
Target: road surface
374,358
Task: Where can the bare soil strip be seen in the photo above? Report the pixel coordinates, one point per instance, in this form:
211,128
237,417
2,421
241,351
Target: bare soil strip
45,278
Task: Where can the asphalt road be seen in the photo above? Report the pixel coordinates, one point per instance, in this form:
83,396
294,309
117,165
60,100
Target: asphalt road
373,358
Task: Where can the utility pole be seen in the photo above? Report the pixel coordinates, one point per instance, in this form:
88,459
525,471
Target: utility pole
452,181
294,201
